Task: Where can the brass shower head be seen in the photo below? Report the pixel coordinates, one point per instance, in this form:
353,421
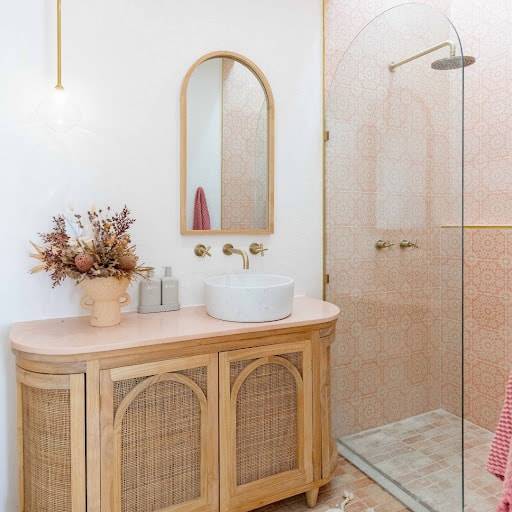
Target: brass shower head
456,62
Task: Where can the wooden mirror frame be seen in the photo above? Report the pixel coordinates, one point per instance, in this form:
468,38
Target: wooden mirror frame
183,147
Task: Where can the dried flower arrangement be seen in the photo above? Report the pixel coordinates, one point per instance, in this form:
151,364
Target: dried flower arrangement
100,248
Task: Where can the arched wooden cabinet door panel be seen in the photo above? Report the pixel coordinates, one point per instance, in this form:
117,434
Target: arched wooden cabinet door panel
51,442
159,436
265,423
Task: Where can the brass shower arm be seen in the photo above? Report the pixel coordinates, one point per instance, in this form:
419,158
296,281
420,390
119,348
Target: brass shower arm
394,65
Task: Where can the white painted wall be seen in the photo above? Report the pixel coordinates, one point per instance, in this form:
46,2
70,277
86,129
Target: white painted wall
123,62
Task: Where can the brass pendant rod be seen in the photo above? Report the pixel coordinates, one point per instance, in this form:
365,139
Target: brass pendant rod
59,48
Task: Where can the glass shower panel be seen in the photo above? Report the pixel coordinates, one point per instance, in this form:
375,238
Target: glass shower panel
393,177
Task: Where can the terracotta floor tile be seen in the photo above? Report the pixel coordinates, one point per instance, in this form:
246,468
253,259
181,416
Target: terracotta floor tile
427,460
366,494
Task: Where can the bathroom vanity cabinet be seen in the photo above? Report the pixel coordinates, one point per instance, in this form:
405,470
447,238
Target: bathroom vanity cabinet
174,411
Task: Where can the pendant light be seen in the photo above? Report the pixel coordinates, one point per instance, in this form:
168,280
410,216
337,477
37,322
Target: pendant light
57,110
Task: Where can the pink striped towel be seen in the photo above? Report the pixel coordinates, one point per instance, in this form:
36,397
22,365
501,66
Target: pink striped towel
201,213
499,462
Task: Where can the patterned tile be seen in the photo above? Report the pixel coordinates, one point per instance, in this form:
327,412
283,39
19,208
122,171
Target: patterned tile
244,152
395,166
379,141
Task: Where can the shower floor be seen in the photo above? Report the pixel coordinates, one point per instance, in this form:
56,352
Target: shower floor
421,457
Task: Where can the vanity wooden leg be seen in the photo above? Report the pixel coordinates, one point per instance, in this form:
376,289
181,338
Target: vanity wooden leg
312,497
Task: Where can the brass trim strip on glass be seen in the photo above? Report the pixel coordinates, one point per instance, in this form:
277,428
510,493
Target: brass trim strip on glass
481,226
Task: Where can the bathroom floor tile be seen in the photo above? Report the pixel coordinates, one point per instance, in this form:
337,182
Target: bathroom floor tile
367,494
428,464
423,455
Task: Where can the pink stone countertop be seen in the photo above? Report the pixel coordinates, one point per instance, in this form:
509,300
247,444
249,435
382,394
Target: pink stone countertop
74,335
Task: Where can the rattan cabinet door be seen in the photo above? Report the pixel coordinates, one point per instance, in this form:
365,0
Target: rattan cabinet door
265,424
159,424
51,442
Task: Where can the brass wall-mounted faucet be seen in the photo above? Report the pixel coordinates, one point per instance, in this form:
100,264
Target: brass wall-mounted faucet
228,250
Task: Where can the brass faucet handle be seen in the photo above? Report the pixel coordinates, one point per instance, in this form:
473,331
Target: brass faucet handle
202,251
407,243
383,244
256,248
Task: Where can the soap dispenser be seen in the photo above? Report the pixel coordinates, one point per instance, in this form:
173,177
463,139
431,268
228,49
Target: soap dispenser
170,291
150,294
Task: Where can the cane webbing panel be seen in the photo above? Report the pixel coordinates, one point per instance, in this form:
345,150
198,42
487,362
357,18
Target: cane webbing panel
46,449
161,444
293,357
266,421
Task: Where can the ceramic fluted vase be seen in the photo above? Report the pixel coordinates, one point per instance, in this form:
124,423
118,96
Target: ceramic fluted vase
105,296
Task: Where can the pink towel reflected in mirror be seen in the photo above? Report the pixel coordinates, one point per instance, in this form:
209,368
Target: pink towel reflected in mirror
201,213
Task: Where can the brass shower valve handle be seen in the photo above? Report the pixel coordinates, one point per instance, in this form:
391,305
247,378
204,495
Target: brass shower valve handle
407,243
256,248
202,251
383,244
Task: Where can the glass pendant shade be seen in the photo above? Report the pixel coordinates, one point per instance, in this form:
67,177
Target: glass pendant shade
58,111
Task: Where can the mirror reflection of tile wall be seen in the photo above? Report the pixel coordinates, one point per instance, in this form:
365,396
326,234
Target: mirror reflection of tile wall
244,156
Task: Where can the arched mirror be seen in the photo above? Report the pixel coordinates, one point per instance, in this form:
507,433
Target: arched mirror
227,147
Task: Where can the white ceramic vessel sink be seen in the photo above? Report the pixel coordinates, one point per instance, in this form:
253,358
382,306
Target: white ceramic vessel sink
249,297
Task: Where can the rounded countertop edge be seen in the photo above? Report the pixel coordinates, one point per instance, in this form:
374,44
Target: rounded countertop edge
74,335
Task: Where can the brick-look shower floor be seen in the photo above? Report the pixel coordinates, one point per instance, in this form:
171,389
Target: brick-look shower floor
422,454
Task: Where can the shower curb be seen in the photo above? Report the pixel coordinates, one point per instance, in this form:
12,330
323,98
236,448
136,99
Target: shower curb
389,485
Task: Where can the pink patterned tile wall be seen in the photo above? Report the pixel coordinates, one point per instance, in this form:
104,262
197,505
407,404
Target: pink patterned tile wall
366,290
487,35
450,348
388,177
488,325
